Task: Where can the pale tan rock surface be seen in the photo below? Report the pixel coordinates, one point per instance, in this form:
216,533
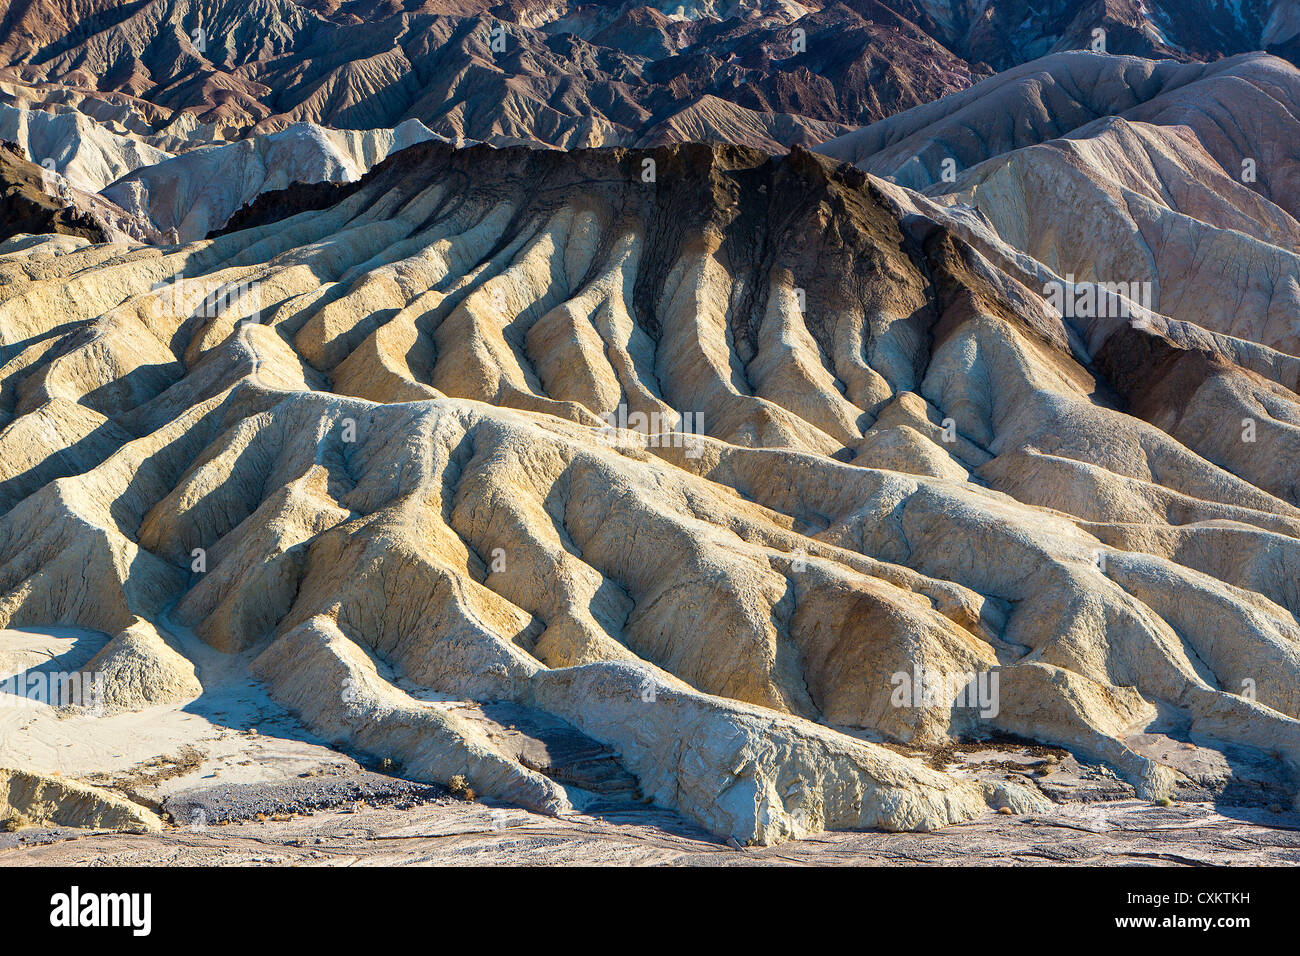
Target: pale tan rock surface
386,475
196,192
28,799
1120,170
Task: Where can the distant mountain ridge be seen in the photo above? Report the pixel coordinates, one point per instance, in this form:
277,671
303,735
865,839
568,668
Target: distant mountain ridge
764,73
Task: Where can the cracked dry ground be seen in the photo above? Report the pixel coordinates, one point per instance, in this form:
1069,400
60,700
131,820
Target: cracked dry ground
449,834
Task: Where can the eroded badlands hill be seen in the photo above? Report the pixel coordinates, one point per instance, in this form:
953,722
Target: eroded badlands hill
764,73
560,75
368,447
35,202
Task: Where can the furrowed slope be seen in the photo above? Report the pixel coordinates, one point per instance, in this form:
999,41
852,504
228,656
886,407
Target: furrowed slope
694,449
764,73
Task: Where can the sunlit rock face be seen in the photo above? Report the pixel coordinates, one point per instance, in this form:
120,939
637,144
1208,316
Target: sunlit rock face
742,467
